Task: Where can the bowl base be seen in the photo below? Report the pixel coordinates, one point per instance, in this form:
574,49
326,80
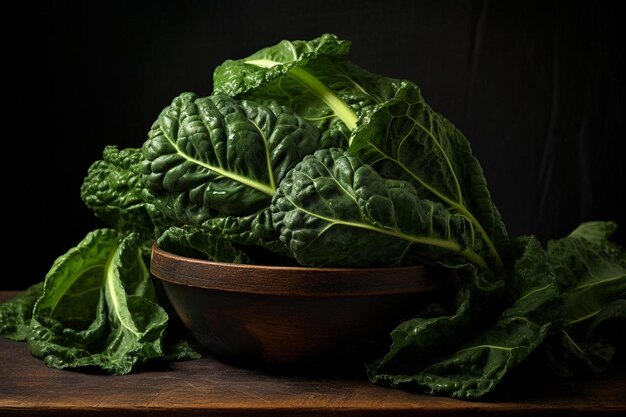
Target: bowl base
292,333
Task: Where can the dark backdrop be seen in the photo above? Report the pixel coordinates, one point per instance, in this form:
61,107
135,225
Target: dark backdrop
537,87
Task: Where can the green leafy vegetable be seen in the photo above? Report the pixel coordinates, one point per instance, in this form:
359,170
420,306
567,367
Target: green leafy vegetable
215,157
98,307
334,210
301,157
16,313
481,362
235,77
403,138
113,191
313,78
591,273
195,242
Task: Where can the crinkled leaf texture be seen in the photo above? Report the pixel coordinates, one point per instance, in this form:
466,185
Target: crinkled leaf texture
219,160
403,138
445,355
15,314
113,190
98,307
236,77
195,242
591,273
289,72
395,184
334,210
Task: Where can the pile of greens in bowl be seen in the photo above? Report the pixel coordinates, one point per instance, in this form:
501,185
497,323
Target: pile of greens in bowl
302,157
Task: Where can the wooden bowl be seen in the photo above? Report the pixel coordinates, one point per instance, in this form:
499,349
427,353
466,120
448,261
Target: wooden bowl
272,315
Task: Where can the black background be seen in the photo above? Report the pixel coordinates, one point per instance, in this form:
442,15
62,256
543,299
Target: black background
537,87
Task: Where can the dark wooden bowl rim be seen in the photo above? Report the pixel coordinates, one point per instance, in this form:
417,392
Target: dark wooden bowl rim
291,281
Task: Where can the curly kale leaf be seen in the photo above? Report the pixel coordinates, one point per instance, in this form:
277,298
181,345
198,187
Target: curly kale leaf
15,314
196,242
113,190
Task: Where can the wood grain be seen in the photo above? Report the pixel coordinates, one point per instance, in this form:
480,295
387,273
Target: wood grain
292,281
209,387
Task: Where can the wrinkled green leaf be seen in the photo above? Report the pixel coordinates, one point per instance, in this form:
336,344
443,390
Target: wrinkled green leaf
180,350
591,274
599,234
568,358
478,367
418,342
216,158
98,307
114,192
405,139
333,210
15,313
195,242
313,78
396,184
254,230
236,77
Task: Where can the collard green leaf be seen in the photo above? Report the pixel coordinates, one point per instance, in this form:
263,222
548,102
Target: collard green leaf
235,77
405,139
333,210
313,78
195,242
477,368
599,233
591,273
596,232
98,307
395,184
482,362
418,342
15,313
215,157
567,357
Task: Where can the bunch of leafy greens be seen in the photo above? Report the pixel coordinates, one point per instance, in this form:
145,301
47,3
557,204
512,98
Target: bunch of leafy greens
302,157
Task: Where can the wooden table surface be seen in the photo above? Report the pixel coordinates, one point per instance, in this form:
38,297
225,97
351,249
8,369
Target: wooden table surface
209,387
